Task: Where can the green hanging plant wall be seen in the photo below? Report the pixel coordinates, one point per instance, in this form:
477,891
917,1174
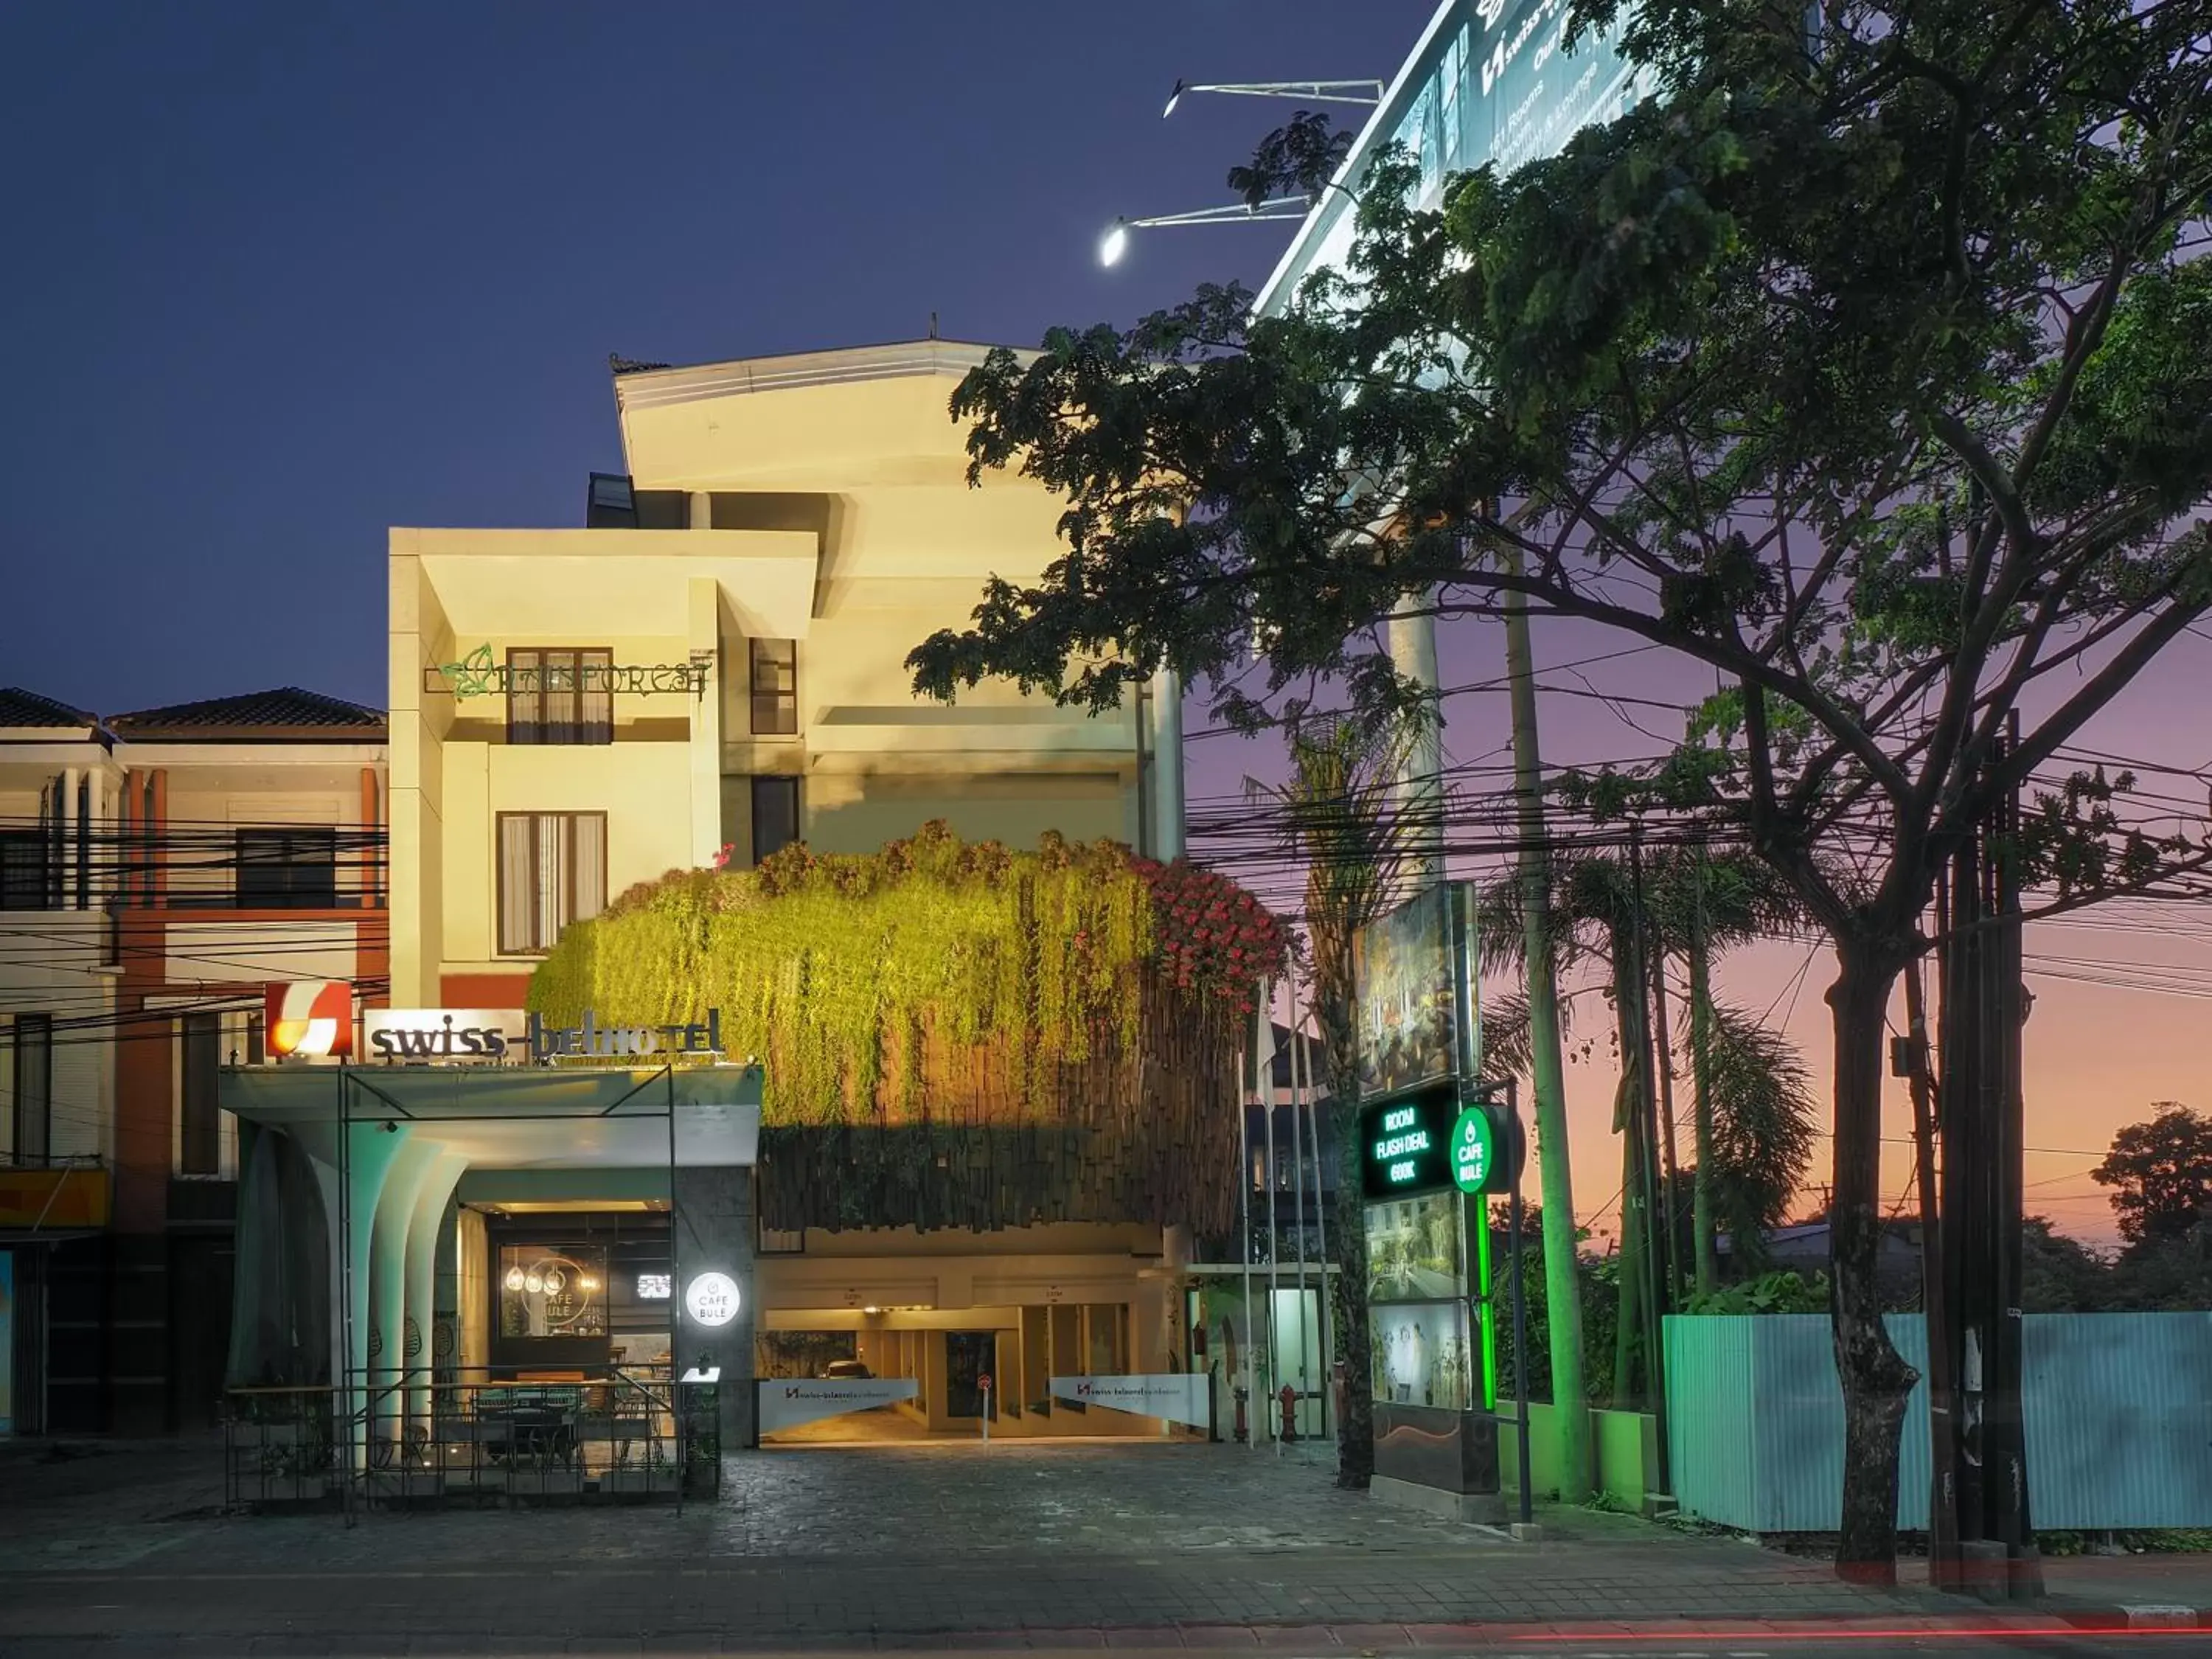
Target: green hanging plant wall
954,1033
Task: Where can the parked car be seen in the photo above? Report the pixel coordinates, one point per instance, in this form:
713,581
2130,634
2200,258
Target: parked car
846,1371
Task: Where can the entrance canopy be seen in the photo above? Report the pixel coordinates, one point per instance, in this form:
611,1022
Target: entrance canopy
522,1118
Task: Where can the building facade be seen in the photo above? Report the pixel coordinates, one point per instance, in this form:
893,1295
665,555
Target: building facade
711,667
160,867
714,665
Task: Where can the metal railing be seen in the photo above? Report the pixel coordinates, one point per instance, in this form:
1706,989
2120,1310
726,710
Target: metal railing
406,1441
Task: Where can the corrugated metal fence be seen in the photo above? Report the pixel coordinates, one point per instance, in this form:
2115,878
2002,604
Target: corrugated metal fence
2118,1409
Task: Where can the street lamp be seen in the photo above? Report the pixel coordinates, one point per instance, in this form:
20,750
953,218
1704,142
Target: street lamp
1115,242
1319,92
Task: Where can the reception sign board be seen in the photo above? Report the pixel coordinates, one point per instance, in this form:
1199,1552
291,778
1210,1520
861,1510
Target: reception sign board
1178,1397
786,1403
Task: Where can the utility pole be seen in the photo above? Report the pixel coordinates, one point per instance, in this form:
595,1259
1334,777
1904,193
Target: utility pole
1983,1180
1563,1297
1942,1438
1659,1254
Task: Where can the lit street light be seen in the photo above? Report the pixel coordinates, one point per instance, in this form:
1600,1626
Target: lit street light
1115,242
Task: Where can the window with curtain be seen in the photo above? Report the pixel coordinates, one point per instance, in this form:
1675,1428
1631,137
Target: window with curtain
560,693
34,1079
775,688
199,1119
552,870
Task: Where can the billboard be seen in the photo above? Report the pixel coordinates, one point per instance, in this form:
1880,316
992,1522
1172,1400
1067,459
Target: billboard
1492,82
1416,976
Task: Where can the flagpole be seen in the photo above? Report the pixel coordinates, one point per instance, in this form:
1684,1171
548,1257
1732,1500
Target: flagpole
1244,1228
1264,1074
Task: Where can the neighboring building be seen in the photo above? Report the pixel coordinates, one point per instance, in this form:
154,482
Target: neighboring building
718,661
161,867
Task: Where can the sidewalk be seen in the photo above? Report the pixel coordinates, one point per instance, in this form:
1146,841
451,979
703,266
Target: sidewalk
1023,1544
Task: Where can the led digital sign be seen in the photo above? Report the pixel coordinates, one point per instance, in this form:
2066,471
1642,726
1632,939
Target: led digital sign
1404,1144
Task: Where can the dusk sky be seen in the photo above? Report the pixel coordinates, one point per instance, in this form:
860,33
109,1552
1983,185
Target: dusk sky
281,276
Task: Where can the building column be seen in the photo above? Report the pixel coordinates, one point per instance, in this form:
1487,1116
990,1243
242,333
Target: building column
433,1195
126,838
387,1292
371,857
366,1159
1166,743
157,835
711,1229
705,643
1420,794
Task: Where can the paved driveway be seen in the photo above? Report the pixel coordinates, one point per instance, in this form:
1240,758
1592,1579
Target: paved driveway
834,1545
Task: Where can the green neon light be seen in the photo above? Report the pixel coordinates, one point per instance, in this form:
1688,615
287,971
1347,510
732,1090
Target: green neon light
1485,1308
1473,1150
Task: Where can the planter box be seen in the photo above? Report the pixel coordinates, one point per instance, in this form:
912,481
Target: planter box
544,1483
638,1480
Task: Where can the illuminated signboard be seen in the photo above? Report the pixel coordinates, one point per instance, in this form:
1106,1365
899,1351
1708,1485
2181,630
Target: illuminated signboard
1473,1150
652,1287
1404,1144
711,1299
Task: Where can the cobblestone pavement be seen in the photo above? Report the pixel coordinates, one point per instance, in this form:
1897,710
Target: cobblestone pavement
845,1545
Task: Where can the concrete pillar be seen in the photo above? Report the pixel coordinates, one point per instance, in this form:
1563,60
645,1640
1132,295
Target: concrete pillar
714,1234
371,857
157,837
1413,641
705,643
1166,745
426,1223
369,1152
126,840
70,870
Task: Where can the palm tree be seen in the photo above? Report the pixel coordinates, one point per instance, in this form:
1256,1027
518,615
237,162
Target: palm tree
1337,809
1707,904
1752,1114
1760,1104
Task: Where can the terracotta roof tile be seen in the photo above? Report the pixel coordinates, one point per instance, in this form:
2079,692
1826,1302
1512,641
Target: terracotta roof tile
285,710
21,708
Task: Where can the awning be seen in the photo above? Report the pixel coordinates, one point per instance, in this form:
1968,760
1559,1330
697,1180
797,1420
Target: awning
523,1117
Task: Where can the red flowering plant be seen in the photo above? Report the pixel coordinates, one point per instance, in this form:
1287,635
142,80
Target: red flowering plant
1211,935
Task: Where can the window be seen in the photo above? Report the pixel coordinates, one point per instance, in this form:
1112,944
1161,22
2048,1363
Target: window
34,1087
287,869
546,1289
199,1119
552,870
775,688
775,815
23,871
560,695
611,503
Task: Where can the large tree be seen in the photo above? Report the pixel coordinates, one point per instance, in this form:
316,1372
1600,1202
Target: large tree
1863,364
2161,1173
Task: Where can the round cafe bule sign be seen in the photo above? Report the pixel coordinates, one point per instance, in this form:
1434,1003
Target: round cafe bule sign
711,1299
1473,1150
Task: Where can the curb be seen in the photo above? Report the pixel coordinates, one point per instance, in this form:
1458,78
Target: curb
2137,1616
1536,1635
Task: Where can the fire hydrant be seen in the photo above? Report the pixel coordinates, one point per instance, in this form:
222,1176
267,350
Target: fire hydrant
1287,1398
